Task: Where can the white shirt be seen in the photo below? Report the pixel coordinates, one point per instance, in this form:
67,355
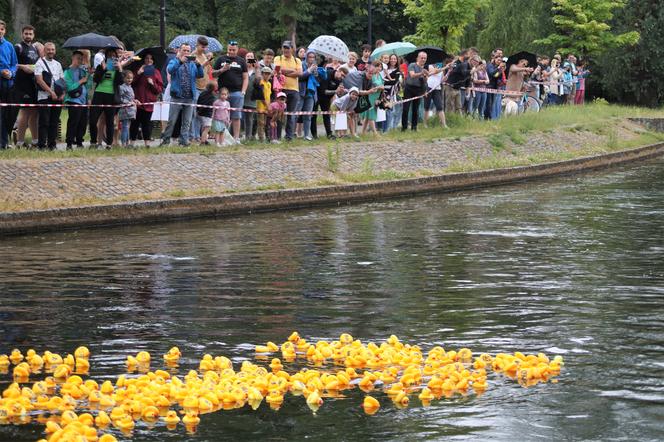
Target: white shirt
56,72
99,57
434,81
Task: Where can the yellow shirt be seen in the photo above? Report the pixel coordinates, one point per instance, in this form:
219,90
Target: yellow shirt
262,105
291,83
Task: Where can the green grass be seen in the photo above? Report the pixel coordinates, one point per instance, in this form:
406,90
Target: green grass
596,117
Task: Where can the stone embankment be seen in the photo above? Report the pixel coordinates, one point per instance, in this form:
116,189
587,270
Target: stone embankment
53,193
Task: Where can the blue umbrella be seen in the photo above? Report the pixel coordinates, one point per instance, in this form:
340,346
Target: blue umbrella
398,48
191,39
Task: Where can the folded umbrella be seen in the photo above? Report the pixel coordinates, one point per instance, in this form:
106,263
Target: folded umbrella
91,41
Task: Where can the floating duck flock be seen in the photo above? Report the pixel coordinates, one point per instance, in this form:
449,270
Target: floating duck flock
74,409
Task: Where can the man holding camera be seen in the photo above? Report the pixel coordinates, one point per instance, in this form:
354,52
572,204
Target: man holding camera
231,72
184,71
203,57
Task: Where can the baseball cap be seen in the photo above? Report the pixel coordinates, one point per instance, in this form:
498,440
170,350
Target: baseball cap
266,70
281,95
287,44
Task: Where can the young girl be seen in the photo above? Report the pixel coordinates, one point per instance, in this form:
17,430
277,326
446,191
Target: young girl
374,83
221,118
204,113
276,117
127,112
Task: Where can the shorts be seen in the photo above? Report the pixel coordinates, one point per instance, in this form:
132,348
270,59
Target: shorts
218,126
205,121
436,96
237,102
28,96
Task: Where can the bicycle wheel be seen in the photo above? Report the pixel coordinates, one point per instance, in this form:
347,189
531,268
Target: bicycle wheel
532,104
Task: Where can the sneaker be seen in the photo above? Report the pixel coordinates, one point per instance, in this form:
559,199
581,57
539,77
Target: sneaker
164,143
332,137
275,142
308,138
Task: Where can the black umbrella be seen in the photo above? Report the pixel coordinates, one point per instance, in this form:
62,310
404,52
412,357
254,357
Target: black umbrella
523,55
91,41
158,55
434,54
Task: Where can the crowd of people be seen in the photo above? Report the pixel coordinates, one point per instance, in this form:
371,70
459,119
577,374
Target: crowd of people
240,96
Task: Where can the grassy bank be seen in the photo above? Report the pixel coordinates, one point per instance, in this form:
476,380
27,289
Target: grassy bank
590,117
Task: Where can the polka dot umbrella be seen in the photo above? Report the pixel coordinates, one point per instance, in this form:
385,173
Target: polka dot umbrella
330,46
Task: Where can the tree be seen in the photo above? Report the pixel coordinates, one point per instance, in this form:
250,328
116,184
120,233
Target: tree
582,27
514,25
21,10
634,75
441,22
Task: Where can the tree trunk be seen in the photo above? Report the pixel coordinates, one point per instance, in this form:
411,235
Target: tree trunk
290,21
21,10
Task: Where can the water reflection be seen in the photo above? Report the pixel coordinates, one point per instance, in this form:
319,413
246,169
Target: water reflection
571,266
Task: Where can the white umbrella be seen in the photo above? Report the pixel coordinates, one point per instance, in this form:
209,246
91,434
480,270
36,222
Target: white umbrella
330,46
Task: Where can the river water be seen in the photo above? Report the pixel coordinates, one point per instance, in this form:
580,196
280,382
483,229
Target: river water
571,266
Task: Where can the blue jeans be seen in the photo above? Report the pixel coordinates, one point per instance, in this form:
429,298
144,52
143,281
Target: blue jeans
236,100
179,106
394,116
124,131
292,99
497,106
478,104
306,104
195,124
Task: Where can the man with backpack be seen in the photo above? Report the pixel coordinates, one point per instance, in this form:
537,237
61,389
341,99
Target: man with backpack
25,90
49,77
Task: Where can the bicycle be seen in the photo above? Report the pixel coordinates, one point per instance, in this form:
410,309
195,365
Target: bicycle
528,102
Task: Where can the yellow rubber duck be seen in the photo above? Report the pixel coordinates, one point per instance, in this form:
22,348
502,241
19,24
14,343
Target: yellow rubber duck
4,361
102,419
62,371
171,417
22,371
173,355
370,405
314,401
82,352
16,356
276,365
36,363
125,423
70,361
150,413
143,357
207,363
82,365
426,395
191,419
107,438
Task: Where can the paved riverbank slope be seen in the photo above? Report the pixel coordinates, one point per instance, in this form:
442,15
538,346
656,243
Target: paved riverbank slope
32,191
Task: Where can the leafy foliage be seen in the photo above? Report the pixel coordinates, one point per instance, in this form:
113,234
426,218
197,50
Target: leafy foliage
514,25
635,75
441,22
582,27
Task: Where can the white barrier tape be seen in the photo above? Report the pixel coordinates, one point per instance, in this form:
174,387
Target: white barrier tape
185,104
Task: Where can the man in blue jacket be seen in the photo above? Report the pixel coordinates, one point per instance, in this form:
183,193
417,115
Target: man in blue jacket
184,71
8,65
